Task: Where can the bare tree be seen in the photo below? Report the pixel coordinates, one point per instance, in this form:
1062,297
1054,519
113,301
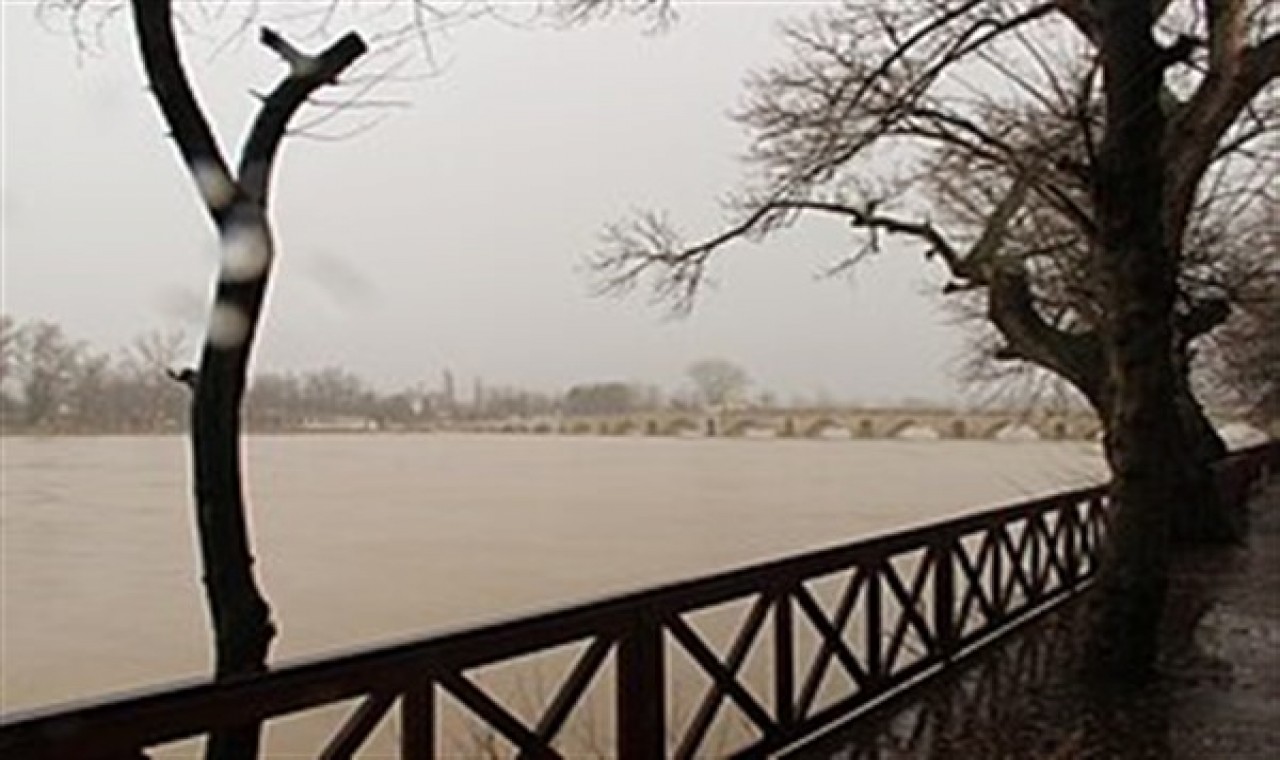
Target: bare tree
44,363
1246,362
1059,159
718,381
148,364
236,198
1241,363
8,344
9,332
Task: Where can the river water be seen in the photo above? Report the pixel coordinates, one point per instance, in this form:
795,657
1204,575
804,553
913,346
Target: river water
366,537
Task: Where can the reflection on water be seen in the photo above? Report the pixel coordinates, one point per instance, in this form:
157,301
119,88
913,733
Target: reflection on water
362,538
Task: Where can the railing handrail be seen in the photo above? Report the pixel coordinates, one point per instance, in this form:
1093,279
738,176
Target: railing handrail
167,712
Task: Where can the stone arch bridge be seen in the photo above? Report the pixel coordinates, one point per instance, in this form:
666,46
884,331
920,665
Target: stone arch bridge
815,423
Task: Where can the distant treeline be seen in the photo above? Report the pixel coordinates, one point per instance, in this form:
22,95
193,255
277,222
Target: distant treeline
51,382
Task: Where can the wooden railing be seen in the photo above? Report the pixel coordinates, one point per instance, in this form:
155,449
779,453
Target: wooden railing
813,640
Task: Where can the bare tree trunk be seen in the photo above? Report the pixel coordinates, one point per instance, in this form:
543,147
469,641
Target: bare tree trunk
1199,515
238,204
240,615
1148,450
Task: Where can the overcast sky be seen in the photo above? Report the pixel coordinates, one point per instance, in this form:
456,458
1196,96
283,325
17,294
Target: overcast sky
452,234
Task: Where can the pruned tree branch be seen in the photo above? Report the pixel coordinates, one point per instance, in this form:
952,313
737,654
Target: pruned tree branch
307,74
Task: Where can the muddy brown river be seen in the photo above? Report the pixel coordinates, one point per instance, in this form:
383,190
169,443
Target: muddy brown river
366,537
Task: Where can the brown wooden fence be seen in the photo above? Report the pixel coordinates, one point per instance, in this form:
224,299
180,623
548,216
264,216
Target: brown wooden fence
827,634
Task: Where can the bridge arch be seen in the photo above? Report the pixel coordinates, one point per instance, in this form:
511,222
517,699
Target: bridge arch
895,428
910,427
824,427
1013,430
682,426
749,427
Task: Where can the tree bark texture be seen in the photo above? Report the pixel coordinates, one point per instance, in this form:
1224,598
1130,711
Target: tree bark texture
1200,515
240,614
1137,269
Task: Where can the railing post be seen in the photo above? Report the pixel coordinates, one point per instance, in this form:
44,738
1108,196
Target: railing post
1039,576
642,691
1071,514
784,655
1096,531
997,569
944,594
417,723
875,632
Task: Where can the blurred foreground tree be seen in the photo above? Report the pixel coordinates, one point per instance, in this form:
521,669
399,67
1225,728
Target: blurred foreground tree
237,201
1077,162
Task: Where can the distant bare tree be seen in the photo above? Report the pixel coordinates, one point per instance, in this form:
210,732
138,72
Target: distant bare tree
149,363
333,390
1242,361
718,381
600,398
94,392
44,363
8,350
8,344
1057,156
1247,362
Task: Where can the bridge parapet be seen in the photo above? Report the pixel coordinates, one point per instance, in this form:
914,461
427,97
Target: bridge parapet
845,423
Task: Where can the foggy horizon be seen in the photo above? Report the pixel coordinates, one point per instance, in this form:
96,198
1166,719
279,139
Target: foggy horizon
451,236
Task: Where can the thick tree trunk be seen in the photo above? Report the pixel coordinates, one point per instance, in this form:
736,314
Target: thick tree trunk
1149,477
1200,516
1147,445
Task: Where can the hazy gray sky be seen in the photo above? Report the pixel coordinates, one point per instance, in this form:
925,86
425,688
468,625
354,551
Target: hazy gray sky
452,234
